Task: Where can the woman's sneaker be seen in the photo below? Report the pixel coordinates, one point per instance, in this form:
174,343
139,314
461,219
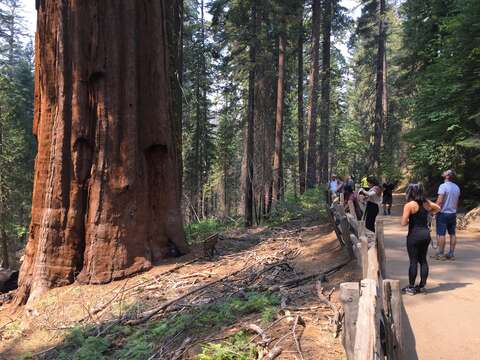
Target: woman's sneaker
420,289
409,290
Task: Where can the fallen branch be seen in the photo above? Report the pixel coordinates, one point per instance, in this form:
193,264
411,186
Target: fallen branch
325,299
147,315
302,279
274,353
295,338
258,330
162,274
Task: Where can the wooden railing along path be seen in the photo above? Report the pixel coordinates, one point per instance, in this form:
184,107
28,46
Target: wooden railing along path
372,320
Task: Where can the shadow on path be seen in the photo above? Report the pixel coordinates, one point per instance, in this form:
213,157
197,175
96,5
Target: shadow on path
447,287
410,345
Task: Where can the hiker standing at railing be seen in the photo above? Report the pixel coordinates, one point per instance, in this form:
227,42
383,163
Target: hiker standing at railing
334,186
415,215
374,199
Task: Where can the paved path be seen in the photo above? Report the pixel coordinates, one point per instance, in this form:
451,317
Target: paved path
445,321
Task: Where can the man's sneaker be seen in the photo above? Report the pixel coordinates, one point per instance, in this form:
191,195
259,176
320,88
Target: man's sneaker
450,256
438,257
420,289
409,290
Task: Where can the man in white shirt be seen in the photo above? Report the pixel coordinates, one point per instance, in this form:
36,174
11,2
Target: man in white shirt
448,195
333,186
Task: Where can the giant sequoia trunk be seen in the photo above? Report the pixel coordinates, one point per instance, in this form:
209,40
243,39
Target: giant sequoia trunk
106,199
381,93
313,98
325,104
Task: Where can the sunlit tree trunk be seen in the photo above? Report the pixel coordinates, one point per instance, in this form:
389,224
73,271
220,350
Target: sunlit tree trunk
106,199
380,97
277,158
325,102
301,125
313,98
248,138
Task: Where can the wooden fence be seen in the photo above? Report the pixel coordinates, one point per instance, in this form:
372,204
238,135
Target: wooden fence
372,319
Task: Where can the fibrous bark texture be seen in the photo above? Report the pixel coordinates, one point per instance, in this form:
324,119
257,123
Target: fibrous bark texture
106,199
381,92
313,98
301,130
249,133
325,105
277,158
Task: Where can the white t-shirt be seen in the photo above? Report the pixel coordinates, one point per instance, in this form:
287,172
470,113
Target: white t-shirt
451,194
333,186
374,196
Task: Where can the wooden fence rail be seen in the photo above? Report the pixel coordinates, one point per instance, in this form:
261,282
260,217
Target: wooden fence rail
372,309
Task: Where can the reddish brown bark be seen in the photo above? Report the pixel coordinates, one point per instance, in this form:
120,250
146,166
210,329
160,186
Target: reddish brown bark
313,98
277,157
301,130
106,199
381,93
325,104
249,132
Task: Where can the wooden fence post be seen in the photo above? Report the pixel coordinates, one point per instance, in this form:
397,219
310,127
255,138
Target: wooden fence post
364,255
380,239
361,228
367,346
392,305
373,266
345,227
349,296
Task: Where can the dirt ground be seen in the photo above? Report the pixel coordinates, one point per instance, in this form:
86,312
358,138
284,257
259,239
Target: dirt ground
273,255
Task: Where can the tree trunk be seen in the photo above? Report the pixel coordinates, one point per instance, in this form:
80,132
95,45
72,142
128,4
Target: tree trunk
4,245
106,199
313,97
325,106
301,136
277,158
248,143
380,97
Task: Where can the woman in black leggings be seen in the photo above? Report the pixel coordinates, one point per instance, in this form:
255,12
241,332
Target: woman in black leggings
415,215
374,199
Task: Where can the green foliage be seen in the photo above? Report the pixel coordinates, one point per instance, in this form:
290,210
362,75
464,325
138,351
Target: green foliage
311,203
443,62
82,346
238,347
138,343
16,140
200,230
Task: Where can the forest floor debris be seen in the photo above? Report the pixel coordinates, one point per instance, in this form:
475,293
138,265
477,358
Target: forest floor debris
256,298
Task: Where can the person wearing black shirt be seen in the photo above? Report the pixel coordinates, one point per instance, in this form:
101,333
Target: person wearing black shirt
387,197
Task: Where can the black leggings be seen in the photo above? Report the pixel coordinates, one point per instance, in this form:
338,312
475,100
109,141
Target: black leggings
371,212
417,246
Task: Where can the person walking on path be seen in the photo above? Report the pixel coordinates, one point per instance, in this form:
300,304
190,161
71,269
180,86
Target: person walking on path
387,197
448,195
415,215
374,199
